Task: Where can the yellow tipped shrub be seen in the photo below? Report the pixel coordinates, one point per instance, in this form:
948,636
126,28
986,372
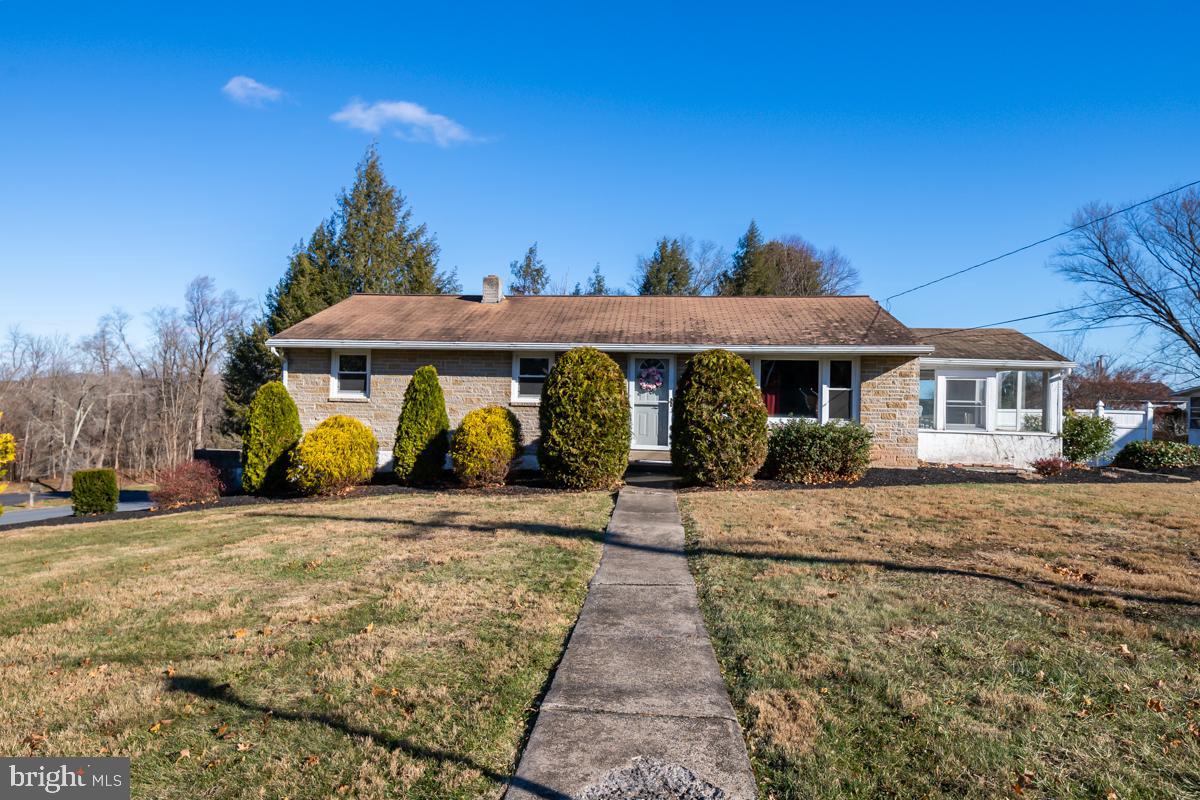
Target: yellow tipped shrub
337,454
484,446
8,454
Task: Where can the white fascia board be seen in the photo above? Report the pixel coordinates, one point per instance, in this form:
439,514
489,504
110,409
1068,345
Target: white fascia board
913,350
996,363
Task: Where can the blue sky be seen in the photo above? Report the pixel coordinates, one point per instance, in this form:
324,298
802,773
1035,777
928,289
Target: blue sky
916,139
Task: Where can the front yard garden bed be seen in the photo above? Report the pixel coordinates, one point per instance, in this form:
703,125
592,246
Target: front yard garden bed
384,646
980,640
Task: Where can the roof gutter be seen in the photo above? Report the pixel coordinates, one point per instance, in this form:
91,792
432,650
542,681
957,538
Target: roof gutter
997,363
367,344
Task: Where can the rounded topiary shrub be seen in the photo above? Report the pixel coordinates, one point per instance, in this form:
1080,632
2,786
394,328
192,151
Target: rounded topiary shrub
1086,438
1158,454
584,416
485,445
272,430
94,491
805,451
719,426
337,454
423,431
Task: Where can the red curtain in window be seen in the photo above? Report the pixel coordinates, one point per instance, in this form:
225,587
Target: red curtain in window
771,388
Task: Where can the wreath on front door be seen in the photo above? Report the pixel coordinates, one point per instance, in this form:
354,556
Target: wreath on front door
650,379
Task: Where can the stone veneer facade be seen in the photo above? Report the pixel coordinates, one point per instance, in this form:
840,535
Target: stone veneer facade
473,379
889,406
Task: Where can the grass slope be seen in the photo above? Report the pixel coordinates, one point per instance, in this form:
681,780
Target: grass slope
373,648
959,641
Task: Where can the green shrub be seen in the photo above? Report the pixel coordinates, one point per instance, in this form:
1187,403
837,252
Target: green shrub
805,451
423,431
719,428
94,491
584,416
1086,438
332,457
484,446
272,431
1158,455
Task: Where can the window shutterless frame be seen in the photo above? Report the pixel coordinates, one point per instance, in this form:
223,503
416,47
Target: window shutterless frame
349,374
527,369
828,400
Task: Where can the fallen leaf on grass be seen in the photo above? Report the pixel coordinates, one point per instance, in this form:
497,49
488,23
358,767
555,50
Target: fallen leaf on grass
156,727
243,746
1154,704
184,753
311,760
1024,781
34,740
239,633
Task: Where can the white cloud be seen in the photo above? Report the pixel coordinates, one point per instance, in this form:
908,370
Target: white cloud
249,92
405,120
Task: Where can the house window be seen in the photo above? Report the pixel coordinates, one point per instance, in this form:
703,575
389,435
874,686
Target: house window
1022,402
966,404
928,399
791,388
1194,413
351,374
841,390
529,375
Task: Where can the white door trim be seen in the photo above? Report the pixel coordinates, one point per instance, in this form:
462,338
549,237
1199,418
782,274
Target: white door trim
629,375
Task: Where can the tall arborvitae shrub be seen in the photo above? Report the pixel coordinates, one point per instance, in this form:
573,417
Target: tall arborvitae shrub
584,416
272,431
423,431
719,426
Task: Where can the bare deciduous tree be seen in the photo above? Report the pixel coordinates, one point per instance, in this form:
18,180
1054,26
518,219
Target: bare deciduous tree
1142,266
211,317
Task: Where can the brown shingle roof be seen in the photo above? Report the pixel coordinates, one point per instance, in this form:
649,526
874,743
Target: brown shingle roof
991,344
705,321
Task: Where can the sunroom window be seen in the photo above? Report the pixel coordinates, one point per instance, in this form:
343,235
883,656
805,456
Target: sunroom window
1022,402
1195,413
928,399
966,404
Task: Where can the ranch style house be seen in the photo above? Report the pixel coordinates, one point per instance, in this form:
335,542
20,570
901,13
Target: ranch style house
942,395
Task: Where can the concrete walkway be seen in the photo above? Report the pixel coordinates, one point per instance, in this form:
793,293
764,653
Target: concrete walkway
639,679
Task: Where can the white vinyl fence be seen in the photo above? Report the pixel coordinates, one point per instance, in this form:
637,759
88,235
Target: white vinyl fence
1132,424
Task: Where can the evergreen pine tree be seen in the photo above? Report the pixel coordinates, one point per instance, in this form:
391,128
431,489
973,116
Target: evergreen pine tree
748,274
668,270
529,274
369,245
596,283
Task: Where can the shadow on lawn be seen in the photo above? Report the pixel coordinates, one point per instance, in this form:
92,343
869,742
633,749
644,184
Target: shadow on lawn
448,519
208,689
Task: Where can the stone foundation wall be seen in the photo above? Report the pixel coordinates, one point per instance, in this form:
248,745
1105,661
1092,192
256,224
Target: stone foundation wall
889,407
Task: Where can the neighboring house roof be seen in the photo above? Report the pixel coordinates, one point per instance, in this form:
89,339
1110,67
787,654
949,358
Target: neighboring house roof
986,344
622,322
1187,392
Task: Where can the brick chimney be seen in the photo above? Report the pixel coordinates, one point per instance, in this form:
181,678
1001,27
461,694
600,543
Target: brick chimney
492,291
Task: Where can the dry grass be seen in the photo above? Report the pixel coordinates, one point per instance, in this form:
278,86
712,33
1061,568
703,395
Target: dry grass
382,647
957,641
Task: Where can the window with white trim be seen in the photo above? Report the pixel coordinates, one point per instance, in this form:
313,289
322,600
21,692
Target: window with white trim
351,374
802,388
841,390
966,404
1021,405
529,376
1194,423
927,395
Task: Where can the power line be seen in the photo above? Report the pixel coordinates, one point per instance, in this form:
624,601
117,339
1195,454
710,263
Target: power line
949,331
1058,235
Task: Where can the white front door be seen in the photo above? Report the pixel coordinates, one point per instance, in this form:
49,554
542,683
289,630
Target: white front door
650,396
